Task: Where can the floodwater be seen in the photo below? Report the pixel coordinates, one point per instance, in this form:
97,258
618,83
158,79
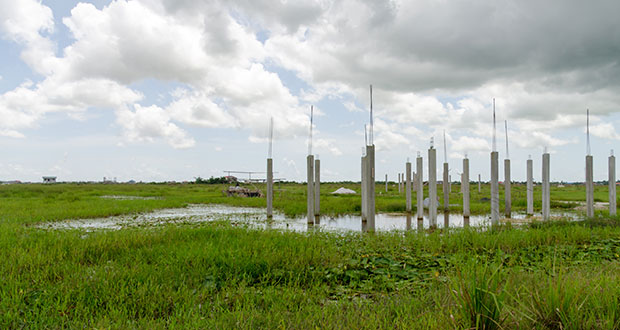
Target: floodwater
256,218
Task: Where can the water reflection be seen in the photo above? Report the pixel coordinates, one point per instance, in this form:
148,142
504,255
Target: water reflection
256,218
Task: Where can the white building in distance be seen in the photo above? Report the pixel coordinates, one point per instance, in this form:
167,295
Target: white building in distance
49,179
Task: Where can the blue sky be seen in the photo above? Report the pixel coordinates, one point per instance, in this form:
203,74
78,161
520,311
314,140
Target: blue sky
165,90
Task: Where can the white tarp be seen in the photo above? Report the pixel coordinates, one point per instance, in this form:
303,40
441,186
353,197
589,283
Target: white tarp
344,191
427,202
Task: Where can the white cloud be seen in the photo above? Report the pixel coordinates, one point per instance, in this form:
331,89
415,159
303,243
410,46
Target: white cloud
208,50
539,140
605,131
24,22
196,108
467,144
146,124
434,66
325,145
11,133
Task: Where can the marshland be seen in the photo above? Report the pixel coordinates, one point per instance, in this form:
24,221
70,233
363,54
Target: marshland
224,274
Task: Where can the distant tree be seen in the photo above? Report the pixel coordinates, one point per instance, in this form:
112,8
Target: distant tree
211,180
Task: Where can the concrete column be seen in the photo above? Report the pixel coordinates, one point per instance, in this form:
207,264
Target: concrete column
310,192
269,188
546,195
612,185
494,188
420,186
370,197
507,187
450,183
530,187
589,187
386,184
408,186
317,188
414,181
432,186
479,183
465,188
408,225
364,189
446,188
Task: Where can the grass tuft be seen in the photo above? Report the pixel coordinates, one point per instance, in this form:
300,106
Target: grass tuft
479,295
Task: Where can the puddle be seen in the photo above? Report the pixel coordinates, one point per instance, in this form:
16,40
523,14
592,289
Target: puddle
124,197
256,218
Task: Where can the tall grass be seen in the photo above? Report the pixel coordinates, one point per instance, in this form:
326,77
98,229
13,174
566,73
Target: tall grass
218,276
478,291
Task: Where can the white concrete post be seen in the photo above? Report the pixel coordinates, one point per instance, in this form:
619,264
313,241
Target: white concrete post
507,187
408,186
317,187
386,183
370,202
589,187
420,186
612,185
432,186
414,181
530,187
446,188
269,188
494,188
546,194
465,188
408,225
479,183
310,193
364,189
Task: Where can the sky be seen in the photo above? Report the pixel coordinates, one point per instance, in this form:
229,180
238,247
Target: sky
159,90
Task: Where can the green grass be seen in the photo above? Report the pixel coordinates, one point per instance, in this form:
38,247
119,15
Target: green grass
216,276
37,202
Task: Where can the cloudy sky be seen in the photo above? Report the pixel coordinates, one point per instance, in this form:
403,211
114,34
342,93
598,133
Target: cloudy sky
175,89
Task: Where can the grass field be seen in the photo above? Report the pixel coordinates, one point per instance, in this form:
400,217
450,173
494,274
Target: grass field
213,275
36,202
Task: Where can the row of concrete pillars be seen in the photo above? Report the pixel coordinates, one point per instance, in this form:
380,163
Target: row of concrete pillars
313,185
546,202
590,185
368,187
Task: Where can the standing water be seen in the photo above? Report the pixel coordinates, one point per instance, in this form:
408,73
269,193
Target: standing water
256,218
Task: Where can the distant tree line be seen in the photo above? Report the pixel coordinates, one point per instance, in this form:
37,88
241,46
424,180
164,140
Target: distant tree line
212,180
